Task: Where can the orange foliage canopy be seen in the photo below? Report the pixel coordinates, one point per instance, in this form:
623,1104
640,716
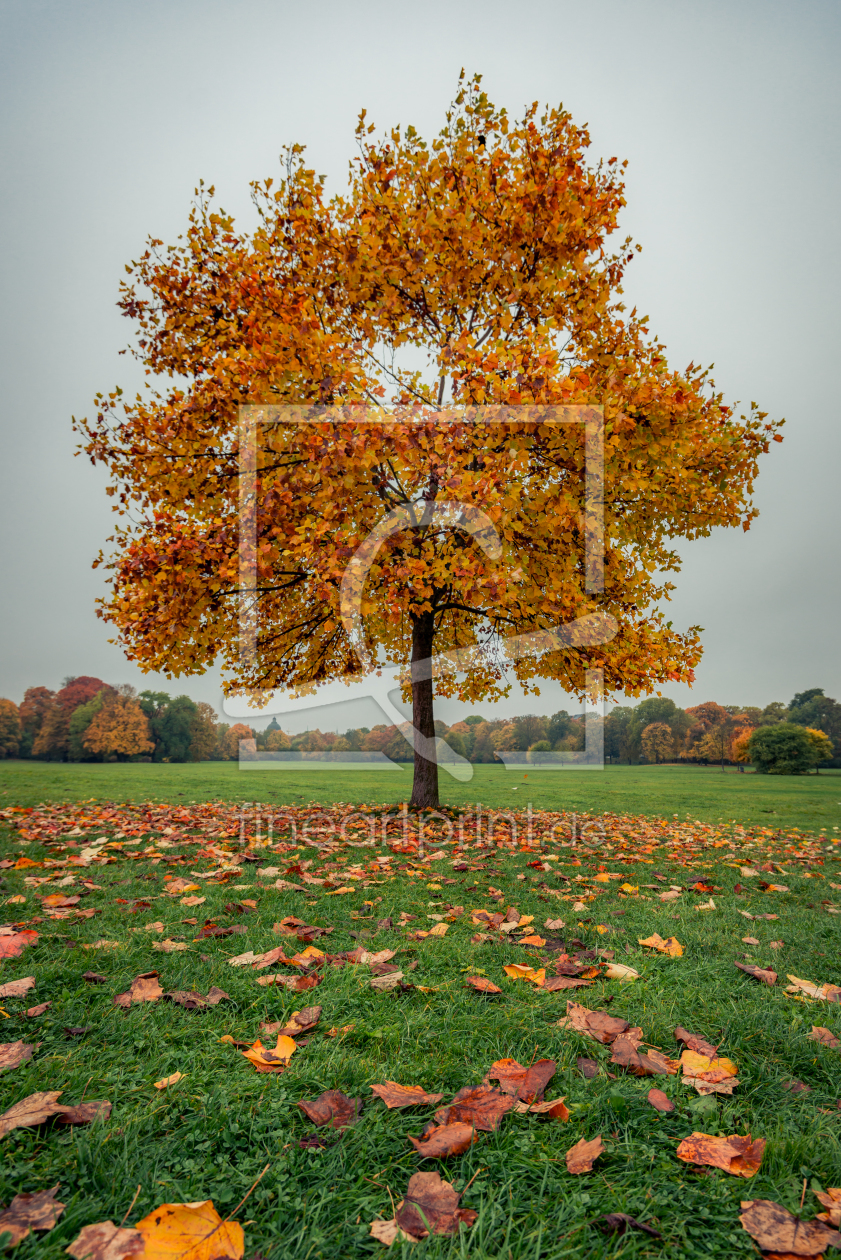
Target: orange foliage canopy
487,251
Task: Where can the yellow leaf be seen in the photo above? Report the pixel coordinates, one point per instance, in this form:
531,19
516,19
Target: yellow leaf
518,971
629,888
440,929
169,1080
672,946
275,1060
190,1231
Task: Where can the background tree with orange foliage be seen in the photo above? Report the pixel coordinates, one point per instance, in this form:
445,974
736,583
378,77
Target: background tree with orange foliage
120,729
487,253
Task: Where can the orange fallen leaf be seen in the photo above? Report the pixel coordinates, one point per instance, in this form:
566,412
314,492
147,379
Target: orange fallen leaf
275,1060
169,1080
13,1053
477,1105
670,946
519,971
534,941
333,1108
192,1231
144,988
823,992
740,1156
555,1109
581,1157
443,1140
660,1101
481,985
394,1095
13,944
757,973
778,1232
594,1024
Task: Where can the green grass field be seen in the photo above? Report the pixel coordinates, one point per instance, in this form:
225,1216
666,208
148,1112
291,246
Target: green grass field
211,1135
810,802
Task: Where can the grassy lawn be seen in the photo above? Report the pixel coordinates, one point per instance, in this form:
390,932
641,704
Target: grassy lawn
810,802
210,1135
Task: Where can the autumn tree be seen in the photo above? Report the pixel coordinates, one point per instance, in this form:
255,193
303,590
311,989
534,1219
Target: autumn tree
120,729
487,252
202,733
657,742
9,728
821,745
227,748
80,720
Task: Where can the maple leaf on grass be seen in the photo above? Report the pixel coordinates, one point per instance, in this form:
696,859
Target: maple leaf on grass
271,1060
693,1042
30,1211
581,1157
670,946
597,1025
333,1108
777,1230
824,1036
639,1063
588,1068
32,1110
295,984
13,1053
822,992
106,1241
194,1231
299,1022
144,988
740,1156
482,985
525,1084
441,1141
477,1105
431,1206
394,1095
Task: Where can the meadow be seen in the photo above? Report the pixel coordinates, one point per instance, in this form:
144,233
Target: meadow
212,1133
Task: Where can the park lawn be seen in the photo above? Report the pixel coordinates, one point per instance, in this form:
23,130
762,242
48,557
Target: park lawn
809,802
211,1135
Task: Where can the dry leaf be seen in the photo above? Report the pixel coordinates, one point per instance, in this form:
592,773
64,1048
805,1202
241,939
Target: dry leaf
693,1042
271,1060
192,901
443,1140
394,1095
144,988
775,1229
34,1011
13,1053
618,971
297,984
482,985
476,1105
824,1036
169,1080
17,988
195,1001
13,944
333,1108
34,1109
106,1241
526,1084
520,971
626,1055
555,1109
831,1200
757,973
431,1207
581,1157
670,946
299,1022
93,977
588,1068
535,942
168,946
389,1232
554,925
749,940
740,1156
30,1211
660,1101
393,980
594,1024
179,885
190,1230
85,1113
823,992
555,984
153,927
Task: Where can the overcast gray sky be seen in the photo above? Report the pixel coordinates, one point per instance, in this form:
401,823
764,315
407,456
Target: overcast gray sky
728,114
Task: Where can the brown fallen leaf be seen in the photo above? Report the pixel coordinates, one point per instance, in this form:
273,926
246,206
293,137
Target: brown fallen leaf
581,1157
333,1108
670,946
32,1110
13,1053
796,1087
431,1206
594,1024
271,1060
17,988
823,992
168,946
824,1037
777,944
30,1211
196,1001
750,940
588,1068
389,1232
394,1095
443,1140
620,1222
192,901
554,925
194,1230
295,984
144,988
660,1101
775,1229
106,1241
180,885
740,1156
85,1113
34,1011
481,985
638,1063
93,977
526,1084
831,1200
554,984
693,1042
477,1105
758,973
555,1109
166,1081
299,1022
157,926
393,980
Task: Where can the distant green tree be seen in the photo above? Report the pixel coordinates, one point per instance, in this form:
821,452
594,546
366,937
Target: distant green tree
457,742
781,748
172,729
559,727
774,712
9,728
821,713
473,719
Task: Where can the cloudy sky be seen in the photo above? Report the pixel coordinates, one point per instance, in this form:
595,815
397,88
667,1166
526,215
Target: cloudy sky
728,114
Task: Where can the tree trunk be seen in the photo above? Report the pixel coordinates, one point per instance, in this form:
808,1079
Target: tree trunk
425,785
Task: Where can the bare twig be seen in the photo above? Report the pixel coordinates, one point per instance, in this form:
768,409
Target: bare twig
130,1206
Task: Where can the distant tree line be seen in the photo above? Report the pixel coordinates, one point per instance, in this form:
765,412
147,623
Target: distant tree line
90,720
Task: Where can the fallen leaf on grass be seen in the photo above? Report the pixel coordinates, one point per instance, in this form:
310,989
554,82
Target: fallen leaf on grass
671,894
620,1222
757,973
389,1232
393,980
709,1075
195,1001
824,1036
17,988
32,1110
594,1024
340,1032
13,1053
333,1108
394,1095
526,1084
299,1022
823,992
271,1060
153,927
30,1211
831,1200
92,977
555,984
581,1157
168,946
618,971
106,1241
85,1113
796,1087
740,1156
776,1230
169,1080
554,1109
670,946
749,940
554,925
34,1011
296,984
706,905
660,1101
144,988
431,1206
481,985
192,901
638,1063
190,1230
535,942
777,944
588,1068
443,1140
477,1105
13,944
179,885
694,1042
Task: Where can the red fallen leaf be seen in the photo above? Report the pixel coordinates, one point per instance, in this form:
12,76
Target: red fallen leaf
740,1156
660,1101
628,1056
443,1140
588,1068
824,1037
699,1044
526,1084
796,1087
482,985
394,1095
581,1157
85,1113
431,1206
477,1105
333,1108
30,1211
555,1109
13,945
758,973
